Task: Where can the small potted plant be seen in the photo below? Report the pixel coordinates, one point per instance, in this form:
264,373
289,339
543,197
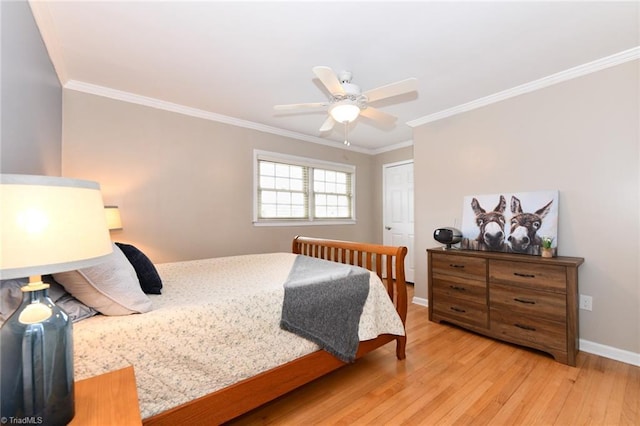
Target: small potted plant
545,247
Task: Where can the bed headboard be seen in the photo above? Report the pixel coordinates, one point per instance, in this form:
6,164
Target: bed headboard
374,257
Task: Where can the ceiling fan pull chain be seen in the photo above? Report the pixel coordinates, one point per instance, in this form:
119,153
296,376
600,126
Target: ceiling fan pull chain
346,133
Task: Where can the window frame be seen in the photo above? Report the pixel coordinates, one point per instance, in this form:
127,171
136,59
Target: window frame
311,164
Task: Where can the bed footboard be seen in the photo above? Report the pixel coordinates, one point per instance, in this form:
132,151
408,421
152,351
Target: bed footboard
386,261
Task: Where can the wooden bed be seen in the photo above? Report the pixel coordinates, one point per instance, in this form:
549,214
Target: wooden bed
237,399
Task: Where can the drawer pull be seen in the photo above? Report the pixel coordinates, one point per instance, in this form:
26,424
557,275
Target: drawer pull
519,274
525,327
457,287
525,301
453,265
462,311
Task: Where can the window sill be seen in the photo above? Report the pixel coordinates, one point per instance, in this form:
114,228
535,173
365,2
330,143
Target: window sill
304,222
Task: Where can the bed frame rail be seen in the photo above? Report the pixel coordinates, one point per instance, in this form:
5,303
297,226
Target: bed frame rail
230,402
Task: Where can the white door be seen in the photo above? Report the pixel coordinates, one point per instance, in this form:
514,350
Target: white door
398,211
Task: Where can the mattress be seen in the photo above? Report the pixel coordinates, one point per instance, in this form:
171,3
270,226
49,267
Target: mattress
216,323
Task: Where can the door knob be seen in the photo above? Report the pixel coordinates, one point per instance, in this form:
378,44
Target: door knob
388,228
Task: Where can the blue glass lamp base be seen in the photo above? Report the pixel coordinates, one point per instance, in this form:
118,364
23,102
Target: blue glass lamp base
36,359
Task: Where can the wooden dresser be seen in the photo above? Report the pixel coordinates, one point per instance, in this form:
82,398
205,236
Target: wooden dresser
527,300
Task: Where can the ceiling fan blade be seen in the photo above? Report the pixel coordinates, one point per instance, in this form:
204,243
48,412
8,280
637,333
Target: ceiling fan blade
310,105
329,79
327,125
379,116
393,89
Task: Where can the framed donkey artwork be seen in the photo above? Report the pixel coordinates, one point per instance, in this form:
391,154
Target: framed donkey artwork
510,222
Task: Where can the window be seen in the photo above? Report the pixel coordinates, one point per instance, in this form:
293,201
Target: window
332,194
301,190
282,190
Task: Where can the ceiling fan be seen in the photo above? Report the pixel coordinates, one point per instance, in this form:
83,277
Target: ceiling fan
347,102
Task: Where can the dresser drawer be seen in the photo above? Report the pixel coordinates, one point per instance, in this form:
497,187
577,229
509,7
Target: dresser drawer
535,332
460,266
534,275
459,287
528,303
460,311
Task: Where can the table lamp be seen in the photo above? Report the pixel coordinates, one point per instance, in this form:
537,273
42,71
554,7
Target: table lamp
47,225
112,214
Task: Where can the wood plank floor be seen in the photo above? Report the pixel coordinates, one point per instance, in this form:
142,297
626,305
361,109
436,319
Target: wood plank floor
452,376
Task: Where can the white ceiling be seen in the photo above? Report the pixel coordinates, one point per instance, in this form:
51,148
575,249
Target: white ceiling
235,60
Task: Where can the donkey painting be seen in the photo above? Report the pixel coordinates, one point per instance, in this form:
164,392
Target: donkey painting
491,224
523,237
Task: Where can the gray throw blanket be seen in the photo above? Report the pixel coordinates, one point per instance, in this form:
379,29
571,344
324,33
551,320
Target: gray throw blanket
323,301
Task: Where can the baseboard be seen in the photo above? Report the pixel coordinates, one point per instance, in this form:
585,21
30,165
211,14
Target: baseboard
420,301
610,352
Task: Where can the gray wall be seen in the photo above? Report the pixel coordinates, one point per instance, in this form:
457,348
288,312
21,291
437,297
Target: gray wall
184,185
580,137
31,120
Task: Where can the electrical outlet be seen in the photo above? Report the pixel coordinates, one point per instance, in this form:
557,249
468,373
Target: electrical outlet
586,302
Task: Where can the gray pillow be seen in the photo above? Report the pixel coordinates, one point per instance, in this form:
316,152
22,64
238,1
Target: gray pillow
11,297
73,307
111,287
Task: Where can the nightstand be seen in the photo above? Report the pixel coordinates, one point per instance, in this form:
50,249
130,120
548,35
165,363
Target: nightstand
108,399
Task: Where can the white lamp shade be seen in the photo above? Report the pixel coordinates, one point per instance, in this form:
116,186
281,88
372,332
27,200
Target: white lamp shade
50,224
344,112
112,214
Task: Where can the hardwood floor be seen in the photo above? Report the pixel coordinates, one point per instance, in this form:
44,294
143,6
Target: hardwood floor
452,376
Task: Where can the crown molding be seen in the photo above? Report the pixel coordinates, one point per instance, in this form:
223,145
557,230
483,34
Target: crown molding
44,22
579,71
569,74
391,147
121,95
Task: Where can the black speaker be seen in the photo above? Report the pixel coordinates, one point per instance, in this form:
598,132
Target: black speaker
447,236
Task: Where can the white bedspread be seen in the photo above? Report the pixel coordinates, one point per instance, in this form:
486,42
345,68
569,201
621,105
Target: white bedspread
216,323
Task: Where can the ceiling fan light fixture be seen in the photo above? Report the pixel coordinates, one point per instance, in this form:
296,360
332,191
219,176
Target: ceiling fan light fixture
344,112
346,101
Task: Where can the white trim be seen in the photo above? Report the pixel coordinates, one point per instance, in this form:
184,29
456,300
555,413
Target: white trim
123,96
317,222
587,346
391,147
610,352
575,72
199,113
44,22
571,73
302,161
397,163
605,351
420,301
259,154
